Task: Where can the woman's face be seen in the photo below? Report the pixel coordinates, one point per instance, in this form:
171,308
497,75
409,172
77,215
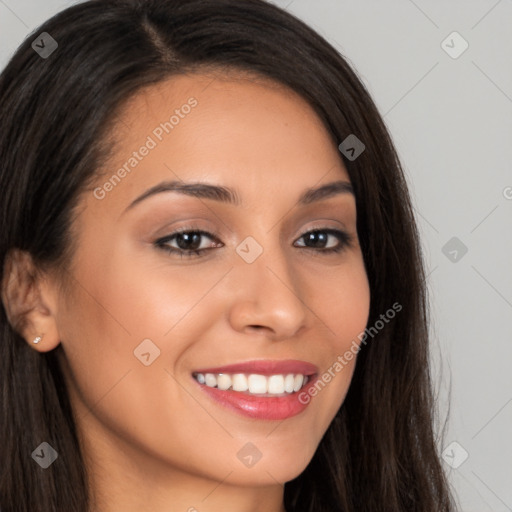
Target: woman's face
263,297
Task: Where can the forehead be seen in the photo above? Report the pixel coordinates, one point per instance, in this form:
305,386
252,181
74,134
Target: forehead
242,131
227,91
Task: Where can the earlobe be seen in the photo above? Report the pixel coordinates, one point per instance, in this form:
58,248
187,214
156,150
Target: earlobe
29,301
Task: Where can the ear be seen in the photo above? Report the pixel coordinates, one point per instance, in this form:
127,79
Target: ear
30,300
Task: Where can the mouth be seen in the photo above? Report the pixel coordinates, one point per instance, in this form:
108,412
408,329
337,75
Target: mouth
259,389
254,384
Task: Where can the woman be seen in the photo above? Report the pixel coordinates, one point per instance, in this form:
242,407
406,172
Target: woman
213,293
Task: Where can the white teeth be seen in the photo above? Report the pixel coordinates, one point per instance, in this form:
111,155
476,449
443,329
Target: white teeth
276,384
254,383
257,383
240,382
297,384
223,381
288,383
210,380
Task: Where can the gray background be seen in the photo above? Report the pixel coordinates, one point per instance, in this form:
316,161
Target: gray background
451,120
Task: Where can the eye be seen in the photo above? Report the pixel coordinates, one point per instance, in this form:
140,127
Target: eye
326,240
188,242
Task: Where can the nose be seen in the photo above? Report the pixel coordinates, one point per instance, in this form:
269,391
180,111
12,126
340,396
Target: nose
267,297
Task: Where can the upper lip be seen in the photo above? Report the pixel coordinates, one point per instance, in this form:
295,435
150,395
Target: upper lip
265,367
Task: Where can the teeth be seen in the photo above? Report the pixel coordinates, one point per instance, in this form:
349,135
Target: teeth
276,384
239,381
257,383
210,380
297,384
224,381
254,383
288,383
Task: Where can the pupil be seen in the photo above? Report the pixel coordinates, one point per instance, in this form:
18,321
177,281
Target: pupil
190,241
318,239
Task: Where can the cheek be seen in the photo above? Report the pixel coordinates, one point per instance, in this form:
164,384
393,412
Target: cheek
111,387
151,294
117,305
343,304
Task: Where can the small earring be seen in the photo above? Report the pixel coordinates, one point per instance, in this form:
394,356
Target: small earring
37,339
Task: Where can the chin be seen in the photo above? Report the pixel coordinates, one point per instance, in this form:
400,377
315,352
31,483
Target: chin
273,470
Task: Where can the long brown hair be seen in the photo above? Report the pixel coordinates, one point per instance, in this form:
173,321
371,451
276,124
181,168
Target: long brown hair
380,452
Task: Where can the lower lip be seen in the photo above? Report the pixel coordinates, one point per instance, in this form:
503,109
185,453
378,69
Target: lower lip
260,407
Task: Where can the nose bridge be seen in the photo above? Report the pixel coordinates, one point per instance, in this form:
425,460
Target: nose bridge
267,290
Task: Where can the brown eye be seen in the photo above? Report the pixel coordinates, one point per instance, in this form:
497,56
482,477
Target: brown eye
326,240
188,242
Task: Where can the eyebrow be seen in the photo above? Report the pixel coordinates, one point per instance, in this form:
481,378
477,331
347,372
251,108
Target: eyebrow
230,196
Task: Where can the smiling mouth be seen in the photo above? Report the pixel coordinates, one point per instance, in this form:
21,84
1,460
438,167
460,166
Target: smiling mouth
255,384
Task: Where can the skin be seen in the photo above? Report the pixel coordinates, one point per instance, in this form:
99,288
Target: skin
153,440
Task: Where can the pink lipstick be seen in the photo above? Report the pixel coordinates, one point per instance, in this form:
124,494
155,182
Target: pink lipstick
260,389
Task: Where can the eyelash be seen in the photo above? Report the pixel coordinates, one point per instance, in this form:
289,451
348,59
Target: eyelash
345,240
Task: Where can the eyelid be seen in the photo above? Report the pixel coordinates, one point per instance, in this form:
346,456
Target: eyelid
210,233
323,224
330,231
